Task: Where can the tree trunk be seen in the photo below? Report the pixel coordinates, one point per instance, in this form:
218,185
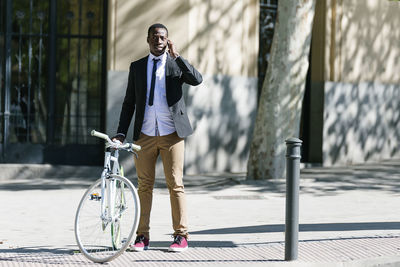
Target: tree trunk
279,109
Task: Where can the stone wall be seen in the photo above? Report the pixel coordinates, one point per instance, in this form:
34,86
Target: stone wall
361,123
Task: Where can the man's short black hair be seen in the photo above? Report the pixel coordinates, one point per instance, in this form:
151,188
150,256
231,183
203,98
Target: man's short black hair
156,25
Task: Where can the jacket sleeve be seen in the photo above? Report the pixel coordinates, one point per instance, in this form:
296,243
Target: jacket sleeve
189,74
128,106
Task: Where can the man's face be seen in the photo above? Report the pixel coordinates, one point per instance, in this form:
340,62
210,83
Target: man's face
157,41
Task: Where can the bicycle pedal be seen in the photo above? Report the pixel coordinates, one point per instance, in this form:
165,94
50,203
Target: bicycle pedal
95,196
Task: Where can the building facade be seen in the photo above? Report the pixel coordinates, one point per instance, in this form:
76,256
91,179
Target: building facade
353,88
220,38
64,68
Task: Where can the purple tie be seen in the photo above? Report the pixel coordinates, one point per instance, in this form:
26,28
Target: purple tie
153,81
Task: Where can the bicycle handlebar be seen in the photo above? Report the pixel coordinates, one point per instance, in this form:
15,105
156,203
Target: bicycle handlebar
116,145
100,135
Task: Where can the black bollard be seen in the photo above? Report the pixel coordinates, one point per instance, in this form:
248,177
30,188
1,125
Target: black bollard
293,156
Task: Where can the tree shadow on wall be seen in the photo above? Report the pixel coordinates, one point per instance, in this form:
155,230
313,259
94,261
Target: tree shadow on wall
228,131
361,119
228,123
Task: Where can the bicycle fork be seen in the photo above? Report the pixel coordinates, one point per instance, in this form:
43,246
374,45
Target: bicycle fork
108,190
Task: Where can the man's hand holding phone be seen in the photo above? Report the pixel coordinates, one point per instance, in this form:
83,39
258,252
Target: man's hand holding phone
172,49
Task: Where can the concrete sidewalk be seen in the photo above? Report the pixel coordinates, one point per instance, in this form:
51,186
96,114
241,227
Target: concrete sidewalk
348,217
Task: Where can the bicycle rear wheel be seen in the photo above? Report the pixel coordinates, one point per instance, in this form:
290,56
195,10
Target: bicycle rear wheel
101,238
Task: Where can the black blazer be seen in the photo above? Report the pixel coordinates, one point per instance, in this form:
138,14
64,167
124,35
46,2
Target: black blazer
177,72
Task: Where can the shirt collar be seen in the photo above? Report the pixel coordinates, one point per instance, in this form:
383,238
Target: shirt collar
163,57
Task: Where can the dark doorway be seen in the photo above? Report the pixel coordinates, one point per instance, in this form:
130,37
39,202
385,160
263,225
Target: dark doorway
312,117
53,69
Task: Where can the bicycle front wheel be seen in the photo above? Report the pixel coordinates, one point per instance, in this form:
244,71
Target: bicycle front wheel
102,236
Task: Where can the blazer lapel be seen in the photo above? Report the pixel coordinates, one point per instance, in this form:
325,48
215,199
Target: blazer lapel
168,67
142,74
168,73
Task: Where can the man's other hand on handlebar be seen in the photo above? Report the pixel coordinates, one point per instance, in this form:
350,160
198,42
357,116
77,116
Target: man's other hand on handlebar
118,137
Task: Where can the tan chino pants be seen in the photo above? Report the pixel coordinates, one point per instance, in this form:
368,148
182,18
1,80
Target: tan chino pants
171,149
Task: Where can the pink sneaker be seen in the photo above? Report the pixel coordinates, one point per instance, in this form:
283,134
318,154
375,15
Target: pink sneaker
141,243
180,244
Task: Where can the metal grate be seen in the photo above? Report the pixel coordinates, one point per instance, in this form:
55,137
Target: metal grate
28,82
78,103
74,100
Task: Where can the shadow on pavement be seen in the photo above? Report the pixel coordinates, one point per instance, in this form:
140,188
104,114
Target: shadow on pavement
46,184
382,176
198,244
203,261
38,249
324,181
321,181
323,227
305,241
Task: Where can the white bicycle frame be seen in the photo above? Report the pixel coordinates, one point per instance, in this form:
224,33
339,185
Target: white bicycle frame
107,181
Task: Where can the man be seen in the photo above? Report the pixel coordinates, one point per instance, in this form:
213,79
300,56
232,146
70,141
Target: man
161,123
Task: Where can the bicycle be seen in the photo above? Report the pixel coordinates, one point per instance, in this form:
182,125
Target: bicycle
108,213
